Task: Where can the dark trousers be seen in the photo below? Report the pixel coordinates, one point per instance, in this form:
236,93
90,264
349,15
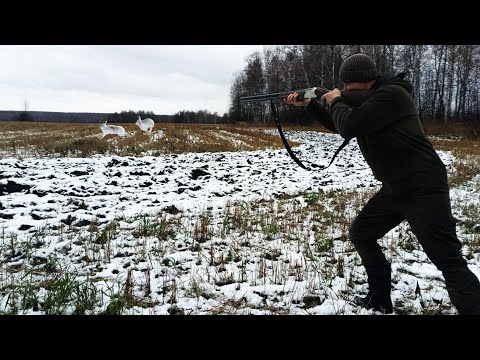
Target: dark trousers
430,218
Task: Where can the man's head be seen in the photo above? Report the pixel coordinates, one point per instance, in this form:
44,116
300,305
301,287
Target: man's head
358,72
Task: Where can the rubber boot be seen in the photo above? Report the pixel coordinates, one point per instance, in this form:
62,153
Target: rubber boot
379,283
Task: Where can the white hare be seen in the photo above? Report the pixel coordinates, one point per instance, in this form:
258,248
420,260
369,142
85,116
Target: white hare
111,129
145,124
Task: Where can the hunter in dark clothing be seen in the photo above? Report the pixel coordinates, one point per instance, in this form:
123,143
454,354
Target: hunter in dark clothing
414,181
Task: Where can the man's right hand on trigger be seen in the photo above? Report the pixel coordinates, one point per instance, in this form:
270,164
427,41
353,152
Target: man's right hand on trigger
292,100
329,96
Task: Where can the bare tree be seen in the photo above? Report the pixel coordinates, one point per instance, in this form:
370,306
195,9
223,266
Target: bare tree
445,78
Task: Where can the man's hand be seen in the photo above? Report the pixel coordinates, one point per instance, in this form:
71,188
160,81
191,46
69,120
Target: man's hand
292,100
329,96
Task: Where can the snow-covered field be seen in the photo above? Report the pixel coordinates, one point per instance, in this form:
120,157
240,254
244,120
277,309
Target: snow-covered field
202,233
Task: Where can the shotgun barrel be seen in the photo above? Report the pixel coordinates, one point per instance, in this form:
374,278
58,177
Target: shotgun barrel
310,93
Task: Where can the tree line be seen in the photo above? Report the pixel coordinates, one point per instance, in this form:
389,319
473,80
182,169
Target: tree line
445,78
126,116
188,117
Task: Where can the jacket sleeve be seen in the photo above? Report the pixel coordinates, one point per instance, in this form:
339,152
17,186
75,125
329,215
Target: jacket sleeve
386,105
317,112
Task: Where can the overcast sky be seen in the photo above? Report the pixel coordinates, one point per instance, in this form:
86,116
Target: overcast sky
164,79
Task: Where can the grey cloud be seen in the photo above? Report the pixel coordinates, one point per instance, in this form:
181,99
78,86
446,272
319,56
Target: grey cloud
130,72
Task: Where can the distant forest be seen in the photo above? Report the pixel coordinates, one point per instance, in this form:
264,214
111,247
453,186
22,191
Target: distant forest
130,116
445,78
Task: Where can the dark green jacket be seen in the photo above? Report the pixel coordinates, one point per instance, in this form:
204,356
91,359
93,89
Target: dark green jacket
390,136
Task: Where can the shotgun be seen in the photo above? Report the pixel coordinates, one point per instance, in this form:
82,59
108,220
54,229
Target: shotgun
352,98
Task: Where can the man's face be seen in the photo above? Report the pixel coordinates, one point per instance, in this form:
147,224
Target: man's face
348,85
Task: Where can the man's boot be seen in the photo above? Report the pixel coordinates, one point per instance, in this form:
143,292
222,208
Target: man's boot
379,283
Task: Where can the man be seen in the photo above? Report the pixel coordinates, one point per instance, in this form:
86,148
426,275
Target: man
414,181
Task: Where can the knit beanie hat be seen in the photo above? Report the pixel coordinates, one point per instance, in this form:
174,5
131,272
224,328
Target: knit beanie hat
358,68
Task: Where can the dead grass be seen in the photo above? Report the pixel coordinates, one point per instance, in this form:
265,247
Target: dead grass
467,158
452,130
82,140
